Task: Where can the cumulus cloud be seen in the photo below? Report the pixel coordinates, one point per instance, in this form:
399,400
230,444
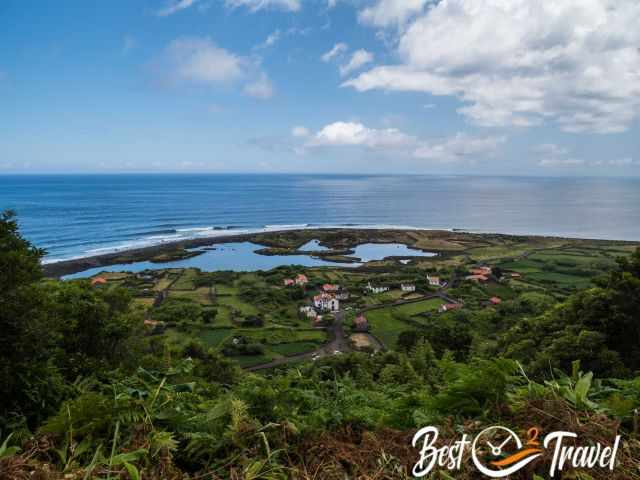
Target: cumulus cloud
337,50
260,88
300,132
523,63
385,13
458,147
256,5
356,134
199,61
358,59
175,7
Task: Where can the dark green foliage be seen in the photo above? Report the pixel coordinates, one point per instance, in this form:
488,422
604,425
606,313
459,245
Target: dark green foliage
599,326
178,310
52,331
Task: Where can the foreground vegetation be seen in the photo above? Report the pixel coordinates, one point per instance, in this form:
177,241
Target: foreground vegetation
88,391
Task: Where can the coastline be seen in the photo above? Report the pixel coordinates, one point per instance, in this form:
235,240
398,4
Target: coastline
286,241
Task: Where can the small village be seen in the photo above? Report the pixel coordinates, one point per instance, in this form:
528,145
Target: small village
290,314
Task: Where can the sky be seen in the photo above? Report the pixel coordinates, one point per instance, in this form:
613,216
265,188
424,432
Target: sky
495,87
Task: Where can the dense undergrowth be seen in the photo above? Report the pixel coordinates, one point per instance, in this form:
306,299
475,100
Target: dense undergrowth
85,394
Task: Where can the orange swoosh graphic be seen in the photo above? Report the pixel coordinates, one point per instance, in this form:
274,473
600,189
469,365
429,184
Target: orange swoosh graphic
516,456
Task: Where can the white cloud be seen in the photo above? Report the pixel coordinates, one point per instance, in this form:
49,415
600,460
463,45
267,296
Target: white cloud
356,134
385,13
198,61
300,132
331,3
175,7
459,147
271,39
523,63
359,58
551,150
260,88
256,5
621,162
338,49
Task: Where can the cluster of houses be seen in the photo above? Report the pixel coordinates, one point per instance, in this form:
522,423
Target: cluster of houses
405,287
479,274
300,281
327,301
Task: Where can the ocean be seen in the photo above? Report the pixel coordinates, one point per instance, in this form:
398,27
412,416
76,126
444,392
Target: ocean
79,215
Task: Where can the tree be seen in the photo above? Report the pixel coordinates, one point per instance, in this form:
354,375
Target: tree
28,381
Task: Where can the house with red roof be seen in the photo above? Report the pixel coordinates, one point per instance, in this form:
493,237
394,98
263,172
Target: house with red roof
330,288
302,280
481,271
326,302
495,300
98,281
361,324
447,307
289,282
477,278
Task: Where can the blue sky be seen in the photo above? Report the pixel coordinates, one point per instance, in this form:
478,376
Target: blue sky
340,86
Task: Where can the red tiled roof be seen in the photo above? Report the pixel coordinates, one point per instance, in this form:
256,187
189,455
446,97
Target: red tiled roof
360,320
98,281
451,306
482,278
495,300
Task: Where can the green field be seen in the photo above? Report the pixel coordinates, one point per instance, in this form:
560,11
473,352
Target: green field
185,282
387,324
293,348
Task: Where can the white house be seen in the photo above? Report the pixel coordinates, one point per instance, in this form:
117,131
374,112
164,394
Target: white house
376,289
434,281
324,301
407,287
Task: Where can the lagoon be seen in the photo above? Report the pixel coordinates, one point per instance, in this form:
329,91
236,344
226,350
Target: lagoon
242,257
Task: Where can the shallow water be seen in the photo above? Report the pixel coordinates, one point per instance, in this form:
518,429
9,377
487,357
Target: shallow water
241,257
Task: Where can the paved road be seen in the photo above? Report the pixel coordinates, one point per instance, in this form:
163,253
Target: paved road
338,342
